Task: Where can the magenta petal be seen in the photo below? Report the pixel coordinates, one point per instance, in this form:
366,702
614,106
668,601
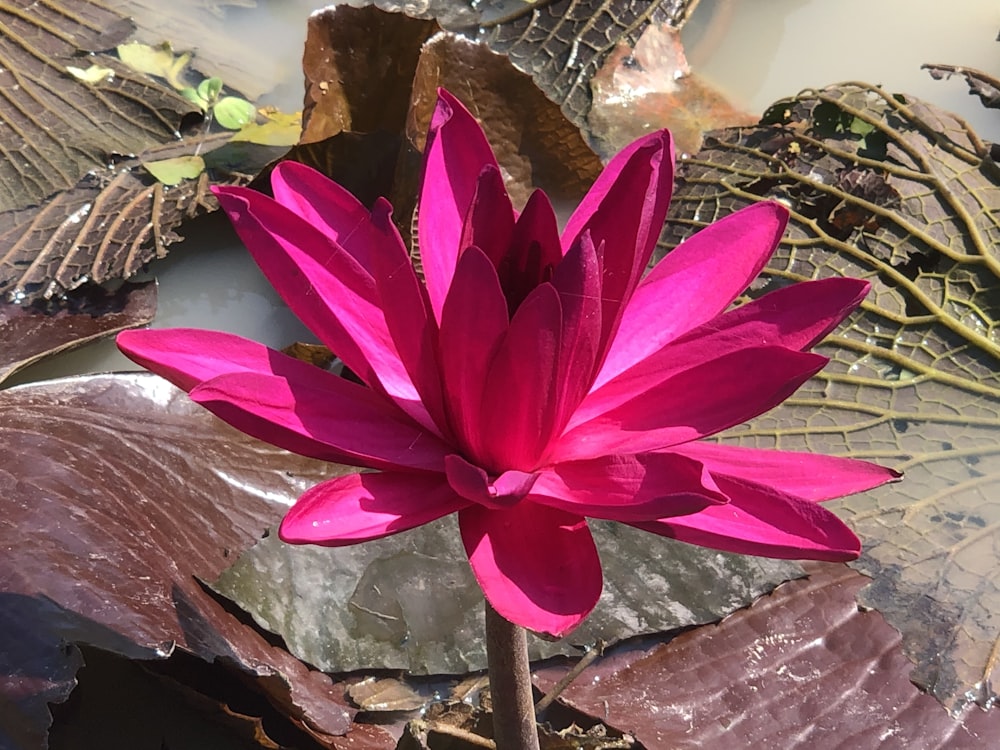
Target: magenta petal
624,211
360,507
474,322
327,206
537,566
695,282
519,404
189,356
474,484
455,155
794,317
628,488
760,521
808,476
327,289
489,222
311,412
691,404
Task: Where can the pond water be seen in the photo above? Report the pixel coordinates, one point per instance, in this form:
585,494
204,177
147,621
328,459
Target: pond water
756,51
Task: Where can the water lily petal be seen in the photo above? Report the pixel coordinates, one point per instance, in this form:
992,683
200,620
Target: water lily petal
474,484
326,205
455,155
693,403
629,488
519,408
577,279
794,317
489,223
360,507
327,289
317,414
538,566
624,210
695,282
761,521
474,322
407,312
534,250
808,476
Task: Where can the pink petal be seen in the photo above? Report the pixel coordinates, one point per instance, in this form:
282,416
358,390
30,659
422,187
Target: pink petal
408,316
489,223
361,507
285,401
760,521
534,250
327,206
578,281
628,488
474,322
695,282
703,400
474,484
537,566
794,317
808,476
454,157
624,211
519,402
311,412
189,356
327,289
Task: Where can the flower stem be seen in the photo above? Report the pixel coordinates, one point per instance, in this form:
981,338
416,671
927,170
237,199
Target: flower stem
510,684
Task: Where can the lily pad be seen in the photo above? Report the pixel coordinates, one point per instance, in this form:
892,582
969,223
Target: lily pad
888,188
116,494
27,334
801,668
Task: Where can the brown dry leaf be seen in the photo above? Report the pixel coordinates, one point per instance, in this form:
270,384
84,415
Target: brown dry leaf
54,128
981,84
800,668
116,492
890,189
651,86
27,334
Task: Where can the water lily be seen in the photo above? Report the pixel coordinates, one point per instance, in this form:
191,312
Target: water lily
533,378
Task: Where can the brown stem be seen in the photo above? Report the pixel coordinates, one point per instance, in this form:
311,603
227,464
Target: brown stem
510,684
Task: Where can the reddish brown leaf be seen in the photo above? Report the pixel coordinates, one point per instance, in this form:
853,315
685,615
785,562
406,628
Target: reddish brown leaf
802,667
28,334
115,493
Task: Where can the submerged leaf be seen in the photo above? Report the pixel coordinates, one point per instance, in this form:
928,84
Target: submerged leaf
176,170
890,189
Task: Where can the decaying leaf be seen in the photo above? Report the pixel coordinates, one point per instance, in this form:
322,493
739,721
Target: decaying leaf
115,493
641,89
27,334
801,668
55,127
981,84
890,189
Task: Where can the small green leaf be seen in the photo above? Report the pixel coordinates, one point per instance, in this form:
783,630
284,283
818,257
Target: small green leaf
154,61
174,171
209,89
233,113
192,96
93,74
281,129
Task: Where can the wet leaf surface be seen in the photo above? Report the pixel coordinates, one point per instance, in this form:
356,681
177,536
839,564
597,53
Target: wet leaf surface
116,492
898,192
801,668
28,334
410,601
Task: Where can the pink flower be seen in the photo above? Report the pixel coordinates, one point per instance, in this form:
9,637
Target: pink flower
535,379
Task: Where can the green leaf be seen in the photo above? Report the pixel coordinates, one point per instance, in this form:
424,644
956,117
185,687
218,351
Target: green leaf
209,89
194,97
233,113
174,171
